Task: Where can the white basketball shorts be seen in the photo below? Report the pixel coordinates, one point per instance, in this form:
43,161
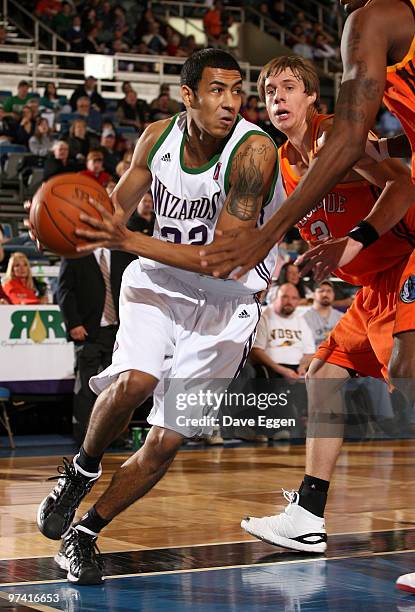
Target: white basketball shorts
176,332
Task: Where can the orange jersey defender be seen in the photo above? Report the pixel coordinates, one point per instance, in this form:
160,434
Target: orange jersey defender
340,210
399,94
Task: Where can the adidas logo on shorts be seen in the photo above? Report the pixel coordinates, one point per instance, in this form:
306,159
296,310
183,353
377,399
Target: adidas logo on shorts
166,157
244,315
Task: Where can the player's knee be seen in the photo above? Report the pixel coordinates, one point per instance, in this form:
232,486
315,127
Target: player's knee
162,444
134,387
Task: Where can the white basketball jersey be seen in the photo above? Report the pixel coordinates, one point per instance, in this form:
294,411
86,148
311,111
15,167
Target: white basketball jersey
188,203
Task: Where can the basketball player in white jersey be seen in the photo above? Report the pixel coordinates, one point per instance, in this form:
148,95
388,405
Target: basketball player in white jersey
208,168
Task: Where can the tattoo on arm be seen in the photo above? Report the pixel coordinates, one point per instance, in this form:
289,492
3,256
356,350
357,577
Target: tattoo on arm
355,93
247,190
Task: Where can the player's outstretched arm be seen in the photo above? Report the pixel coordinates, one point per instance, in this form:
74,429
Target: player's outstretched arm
359,99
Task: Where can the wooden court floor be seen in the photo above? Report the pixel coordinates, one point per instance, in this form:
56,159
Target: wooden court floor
206,493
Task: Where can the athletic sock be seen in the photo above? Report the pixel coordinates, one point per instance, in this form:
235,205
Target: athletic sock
88,463
313,495
91,522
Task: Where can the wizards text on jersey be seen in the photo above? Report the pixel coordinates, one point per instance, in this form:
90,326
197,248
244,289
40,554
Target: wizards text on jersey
172,207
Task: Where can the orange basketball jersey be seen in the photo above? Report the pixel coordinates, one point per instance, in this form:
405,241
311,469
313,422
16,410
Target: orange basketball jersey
340,210
399,94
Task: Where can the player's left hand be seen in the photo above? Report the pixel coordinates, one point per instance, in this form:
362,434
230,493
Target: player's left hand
326,257
110,233
235,251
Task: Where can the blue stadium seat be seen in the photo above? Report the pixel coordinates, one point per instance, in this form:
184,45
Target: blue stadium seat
7,147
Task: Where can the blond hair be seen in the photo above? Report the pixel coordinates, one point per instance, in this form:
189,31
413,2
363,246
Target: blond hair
9,272
302,69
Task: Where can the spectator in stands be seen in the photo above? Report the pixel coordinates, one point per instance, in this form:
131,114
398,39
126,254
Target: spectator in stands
284,343
26,127
91,45
173,106
105,14
41,141
322,49
174,47
60,162
89,17
8,126
14,104
111,155
305,25
190,46
154,41
277,12
95,168
142,219
47,9
132,111
303,48
119,19
51,99
76,36
290,274
318,29
297,31
92,117
250,111
160,110
322,317
62,22
79,141
18,282
88,90
212,21
118,45
124,164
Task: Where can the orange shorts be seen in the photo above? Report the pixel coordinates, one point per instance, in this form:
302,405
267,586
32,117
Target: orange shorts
363,338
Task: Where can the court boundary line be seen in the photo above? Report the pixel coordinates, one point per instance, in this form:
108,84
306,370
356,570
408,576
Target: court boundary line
410,526
212,569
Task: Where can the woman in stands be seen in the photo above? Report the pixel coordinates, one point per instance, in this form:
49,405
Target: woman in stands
41,141
18,282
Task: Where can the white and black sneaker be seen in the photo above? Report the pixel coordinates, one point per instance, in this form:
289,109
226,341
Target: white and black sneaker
56,512
80,557
295,528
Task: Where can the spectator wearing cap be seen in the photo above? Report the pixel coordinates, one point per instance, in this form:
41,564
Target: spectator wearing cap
15,104
108,147
322,317
95,168
59,161
132,111
92,117
88,90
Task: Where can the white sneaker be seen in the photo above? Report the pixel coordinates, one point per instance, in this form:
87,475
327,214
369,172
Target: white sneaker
295,528
406,582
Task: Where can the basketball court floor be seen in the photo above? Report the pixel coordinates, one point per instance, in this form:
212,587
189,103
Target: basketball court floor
181,547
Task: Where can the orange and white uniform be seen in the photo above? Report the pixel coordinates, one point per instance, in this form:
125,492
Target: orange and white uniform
363,338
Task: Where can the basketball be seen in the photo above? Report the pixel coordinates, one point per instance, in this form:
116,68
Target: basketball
56,207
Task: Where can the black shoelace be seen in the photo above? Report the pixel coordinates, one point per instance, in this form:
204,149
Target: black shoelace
79,485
